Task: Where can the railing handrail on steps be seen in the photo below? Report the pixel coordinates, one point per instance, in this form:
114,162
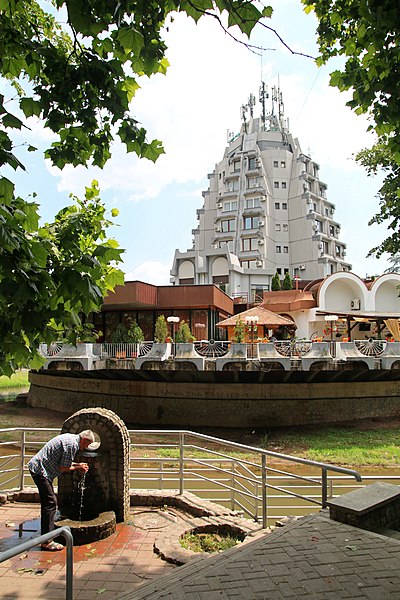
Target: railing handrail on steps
184,461
65,532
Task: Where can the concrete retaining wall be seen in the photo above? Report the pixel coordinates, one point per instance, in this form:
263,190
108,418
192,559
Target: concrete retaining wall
218,404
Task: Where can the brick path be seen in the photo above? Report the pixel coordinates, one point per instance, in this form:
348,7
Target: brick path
313,558
102,569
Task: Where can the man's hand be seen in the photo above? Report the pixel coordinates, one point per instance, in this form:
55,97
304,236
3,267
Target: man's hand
82,467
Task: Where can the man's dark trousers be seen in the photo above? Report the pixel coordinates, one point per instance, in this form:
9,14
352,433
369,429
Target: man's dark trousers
48,502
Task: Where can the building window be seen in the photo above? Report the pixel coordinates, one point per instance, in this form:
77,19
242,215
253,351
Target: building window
283,164
236,165
277,205
276,184
253,182
249,244
229,206
221,244
228,225
284,185
314,206
285,249
232,185
279,271
285,227
257,292
337,251
285,271
326,247
326,212
277,227
252,202
276,163
331,230
252,163
320,226
278,249
250,222
248,264
284,205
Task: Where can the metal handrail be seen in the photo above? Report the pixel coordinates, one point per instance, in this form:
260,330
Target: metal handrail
41,539
185,466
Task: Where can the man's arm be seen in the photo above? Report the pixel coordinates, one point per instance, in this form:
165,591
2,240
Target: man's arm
82,467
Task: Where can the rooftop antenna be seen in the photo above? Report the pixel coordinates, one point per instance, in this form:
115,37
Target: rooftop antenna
251,103
243,111
263,96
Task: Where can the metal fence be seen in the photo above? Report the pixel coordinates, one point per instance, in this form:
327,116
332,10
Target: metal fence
264,485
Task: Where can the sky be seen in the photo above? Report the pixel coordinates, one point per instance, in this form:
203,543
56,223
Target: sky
191,109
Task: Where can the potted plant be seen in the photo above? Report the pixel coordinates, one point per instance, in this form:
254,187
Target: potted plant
239,331
161,330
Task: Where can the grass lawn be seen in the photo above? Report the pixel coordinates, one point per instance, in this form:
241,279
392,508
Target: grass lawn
17,380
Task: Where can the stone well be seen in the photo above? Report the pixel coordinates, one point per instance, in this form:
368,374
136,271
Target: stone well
93,512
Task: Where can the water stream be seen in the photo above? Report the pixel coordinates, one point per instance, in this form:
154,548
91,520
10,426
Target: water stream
81,489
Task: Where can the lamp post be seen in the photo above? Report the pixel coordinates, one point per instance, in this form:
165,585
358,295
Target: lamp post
252,322
330,319
172,320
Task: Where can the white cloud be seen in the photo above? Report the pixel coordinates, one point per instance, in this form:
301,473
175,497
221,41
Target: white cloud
154,272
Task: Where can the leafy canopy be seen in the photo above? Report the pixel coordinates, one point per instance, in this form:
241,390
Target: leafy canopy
75,65
366,33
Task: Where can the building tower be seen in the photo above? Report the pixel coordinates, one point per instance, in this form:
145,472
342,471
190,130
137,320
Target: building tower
265,211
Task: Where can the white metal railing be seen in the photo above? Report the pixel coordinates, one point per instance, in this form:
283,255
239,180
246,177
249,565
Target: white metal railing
209,349
207,466
125,350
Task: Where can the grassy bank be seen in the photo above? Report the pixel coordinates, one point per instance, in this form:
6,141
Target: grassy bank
366,443
17,380
363,443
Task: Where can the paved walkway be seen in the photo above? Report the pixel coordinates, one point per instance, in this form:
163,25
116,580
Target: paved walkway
120,563
313,558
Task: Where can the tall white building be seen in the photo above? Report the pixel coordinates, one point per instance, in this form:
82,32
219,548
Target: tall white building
265,211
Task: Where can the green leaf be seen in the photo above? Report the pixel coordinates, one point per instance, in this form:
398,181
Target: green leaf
131,40
10,120
6,190
30,107
131,86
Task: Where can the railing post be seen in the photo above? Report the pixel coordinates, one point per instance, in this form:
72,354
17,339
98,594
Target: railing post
324,491
233,485
181,461
264,490
22,465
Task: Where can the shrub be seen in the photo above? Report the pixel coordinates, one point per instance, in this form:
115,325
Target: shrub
161,330
275,283
239,331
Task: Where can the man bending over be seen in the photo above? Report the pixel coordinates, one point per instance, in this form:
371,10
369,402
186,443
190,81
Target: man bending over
56,457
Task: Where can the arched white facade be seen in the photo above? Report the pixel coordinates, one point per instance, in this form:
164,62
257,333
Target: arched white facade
186,270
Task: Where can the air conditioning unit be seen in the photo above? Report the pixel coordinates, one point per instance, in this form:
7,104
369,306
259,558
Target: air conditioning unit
302,267
217,228
219,204
344,253
315,227
258,263
305,186
215,246
262,199
332,211
257,162
320,245
260,242
355,304
261,223
309,201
